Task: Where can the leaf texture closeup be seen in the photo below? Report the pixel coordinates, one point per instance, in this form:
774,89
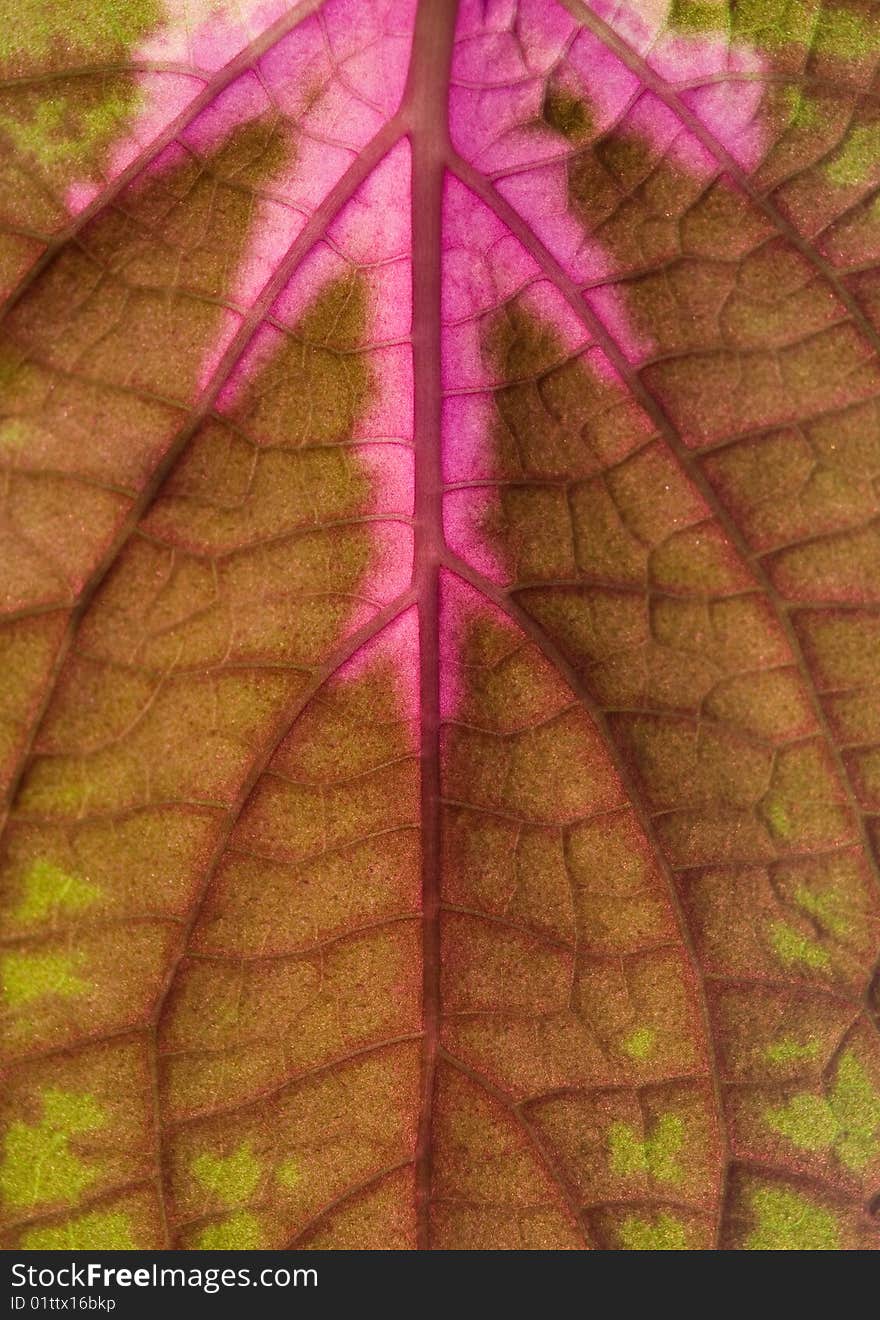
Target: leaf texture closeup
440,639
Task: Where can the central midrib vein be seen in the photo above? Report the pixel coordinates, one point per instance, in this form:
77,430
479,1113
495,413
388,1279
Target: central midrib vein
425,112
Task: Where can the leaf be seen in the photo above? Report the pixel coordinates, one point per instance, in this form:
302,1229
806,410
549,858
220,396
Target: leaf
440,628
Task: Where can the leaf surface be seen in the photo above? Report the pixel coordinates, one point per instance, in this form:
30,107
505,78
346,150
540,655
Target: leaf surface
440,625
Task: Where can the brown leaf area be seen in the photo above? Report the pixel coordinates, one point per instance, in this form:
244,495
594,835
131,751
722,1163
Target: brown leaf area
480,862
